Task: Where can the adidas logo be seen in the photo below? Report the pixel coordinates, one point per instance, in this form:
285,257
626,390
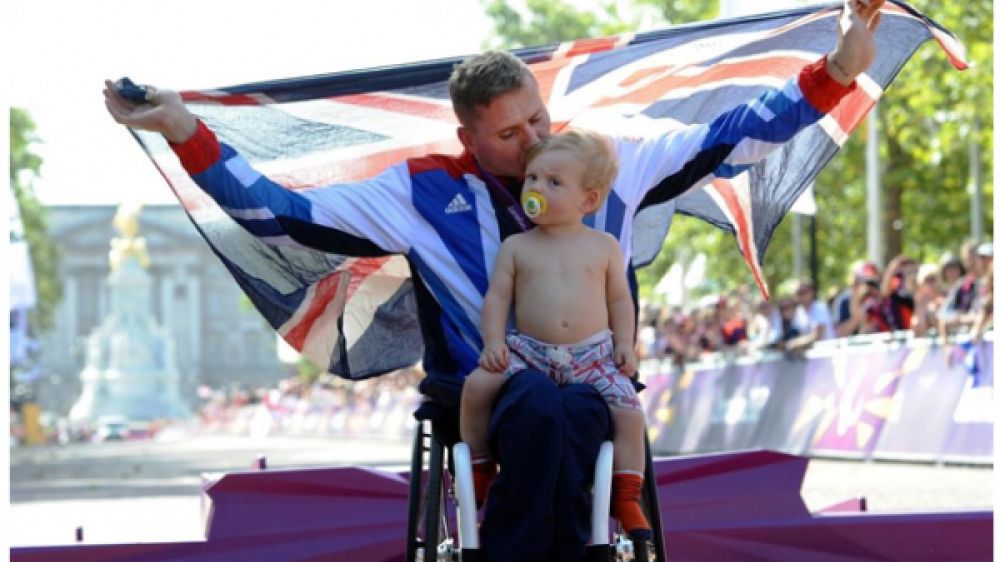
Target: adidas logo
457,205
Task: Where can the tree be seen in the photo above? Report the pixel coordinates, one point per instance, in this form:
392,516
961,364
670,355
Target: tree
684,11
550,21
924,121
44,254
554,21
926,115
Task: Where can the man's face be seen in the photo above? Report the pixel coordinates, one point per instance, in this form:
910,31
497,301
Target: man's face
787,308
805,294
930,284
985,264
503,132
950,273
969,259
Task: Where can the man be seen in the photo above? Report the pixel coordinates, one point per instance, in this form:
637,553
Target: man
984,304
951,270
448,216
786,335
898,284
858,308
927,298
959,310
812,316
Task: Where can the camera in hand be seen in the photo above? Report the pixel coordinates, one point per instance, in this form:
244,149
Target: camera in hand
133,92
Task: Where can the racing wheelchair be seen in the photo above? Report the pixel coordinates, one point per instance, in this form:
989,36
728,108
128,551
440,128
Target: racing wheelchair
442,521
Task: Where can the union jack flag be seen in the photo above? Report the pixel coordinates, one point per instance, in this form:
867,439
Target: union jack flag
358,315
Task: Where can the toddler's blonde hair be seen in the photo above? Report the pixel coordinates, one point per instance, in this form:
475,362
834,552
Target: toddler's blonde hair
593,149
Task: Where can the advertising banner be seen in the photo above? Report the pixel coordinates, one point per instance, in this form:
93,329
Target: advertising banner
920,419
741,396
901,400
905,400
853,409
971,436
792,414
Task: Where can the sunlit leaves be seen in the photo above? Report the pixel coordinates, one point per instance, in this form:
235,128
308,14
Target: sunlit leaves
24,164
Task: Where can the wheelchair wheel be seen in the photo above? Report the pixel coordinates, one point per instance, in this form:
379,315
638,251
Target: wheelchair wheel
651,504
433,500
416,486
425,527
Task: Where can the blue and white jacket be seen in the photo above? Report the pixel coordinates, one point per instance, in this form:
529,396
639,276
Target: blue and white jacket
439,213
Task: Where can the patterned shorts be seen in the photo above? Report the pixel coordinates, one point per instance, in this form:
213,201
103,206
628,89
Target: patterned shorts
590,361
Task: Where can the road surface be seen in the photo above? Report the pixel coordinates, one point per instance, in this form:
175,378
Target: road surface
113,489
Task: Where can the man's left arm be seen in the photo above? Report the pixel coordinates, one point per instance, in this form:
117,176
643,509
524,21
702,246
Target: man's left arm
663,168
855,48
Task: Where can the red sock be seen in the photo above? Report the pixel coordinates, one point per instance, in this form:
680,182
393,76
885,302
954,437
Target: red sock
625,489
483,472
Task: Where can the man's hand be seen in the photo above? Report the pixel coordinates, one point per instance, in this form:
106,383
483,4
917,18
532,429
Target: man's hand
626,360
495,357
166,113
855,49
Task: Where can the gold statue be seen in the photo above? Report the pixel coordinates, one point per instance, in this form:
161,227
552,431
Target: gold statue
130,244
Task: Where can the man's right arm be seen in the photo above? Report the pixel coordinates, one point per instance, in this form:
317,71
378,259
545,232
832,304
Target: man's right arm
368,219
165,114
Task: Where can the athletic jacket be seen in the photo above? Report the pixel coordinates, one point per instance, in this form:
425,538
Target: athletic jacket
441,214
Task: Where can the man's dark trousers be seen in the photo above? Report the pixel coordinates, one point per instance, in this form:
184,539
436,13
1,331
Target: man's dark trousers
546,438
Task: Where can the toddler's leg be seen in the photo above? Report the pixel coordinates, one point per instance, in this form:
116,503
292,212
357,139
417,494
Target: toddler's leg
629,465
478,393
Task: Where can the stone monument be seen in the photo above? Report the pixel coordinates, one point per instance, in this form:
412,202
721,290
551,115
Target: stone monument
130,369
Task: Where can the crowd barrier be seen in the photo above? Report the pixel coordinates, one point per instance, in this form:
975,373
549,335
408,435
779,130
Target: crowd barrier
883,398
386,415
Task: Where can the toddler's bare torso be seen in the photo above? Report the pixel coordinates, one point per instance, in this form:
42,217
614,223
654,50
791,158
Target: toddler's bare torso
560,291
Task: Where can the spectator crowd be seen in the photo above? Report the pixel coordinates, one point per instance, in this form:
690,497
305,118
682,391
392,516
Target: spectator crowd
942,299
932,299
376,407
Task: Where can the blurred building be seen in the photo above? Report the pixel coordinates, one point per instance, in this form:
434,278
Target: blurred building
220,339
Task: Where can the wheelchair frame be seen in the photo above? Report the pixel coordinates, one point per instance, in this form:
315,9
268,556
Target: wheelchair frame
432,505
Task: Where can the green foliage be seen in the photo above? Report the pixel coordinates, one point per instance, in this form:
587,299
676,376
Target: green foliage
684,11
925,118
688,237
553,21
550,21
44,254
21,137
307,371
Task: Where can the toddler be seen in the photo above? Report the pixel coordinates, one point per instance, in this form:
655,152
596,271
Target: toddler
574,316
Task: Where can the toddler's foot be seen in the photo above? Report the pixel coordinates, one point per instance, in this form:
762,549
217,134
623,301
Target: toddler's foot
484,470
625,490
